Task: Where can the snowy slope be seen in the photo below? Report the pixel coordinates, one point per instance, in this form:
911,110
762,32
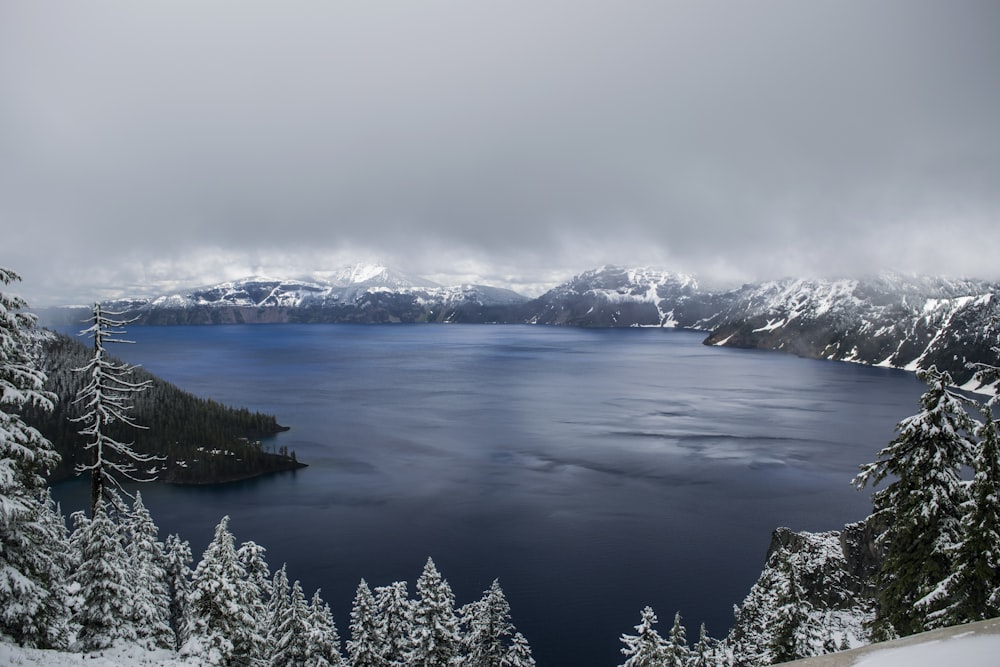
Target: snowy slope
891,320
972,645
909,322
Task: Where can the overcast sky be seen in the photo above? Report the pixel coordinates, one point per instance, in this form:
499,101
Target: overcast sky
148,145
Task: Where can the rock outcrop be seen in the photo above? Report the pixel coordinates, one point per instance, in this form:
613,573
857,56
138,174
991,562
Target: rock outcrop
814,596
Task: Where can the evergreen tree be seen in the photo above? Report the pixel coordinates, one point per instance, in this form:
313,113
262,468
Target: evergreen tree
79,519
793,634
678,652
33,606
646,648
107,401
47,626
293,631
972,593
788,642
324,640
749,640
704,653
394,620
251,557
280,599
436,639
221,627
177,567
364,648
105,615
922,508
519,653
829,642
488,628
151,597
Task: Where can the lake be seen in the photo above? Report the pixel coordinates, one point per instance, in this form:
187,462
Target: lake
593,471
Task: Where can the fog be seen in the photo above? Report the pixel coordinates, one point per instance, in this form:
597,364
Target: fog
161,145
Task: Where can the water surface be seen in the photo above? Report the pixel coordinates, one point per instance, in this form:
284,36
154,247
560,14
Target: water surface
592,471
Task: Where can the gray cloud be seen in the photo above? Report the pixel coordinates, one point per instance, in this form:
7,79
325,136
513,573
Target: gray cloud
517,141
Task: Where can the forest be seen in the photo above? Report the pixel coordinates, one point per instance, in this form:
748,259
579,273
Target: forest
201,440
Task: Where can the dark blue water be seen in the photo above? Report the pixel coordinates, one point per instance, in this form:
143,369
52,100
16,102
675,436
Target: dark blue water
592,471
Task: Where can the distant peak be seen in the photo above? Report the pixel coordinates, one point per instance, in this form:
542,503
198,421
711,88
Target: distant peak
373,274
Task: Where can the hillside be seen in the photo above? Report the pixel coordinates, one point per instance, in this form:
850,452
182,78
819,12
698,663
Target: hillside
204,442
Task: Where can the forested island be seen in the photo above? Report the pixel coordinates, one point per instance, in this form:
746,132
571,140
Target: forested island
201,441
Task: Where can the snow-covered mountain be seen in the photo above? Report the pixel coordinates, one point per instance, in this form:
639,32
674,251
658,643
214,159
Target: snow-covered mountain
613,296
889,320
361,293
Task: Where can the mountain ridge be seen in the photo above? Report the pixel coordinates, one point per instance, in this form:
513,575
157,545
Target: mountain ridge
889,319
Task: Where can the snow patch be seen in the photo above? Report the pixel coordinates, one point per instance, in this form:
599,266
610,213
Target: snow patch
771,325
979,651
724,340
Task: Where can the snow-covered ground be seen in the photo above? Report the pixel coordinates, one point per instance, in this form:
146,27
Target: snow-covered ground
972,645
123,656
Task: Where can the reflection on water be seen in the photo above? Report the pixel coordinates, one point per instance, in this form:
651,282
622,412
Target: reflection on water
593,471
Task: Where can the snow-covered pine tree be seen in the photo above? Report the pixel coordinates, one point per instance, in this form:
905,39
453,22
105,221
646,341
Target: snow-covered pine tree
646,648
293,633
151,599
921,509
972,593
323,645
488,628
518,653
829,641
364,648
251,557
105,615
52,563
177,567
792,634
748,639
79,520
788,631
394,618
221,627
436,638
705,652
107,400
32,578
678,652
276,606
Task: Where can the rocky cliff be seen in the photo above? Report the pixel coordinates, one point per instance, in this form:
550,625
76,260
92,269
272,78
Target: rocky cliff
814,596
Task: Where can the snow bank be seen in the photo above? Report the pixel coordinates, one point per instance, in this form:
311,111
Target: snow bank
119,656
972,645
